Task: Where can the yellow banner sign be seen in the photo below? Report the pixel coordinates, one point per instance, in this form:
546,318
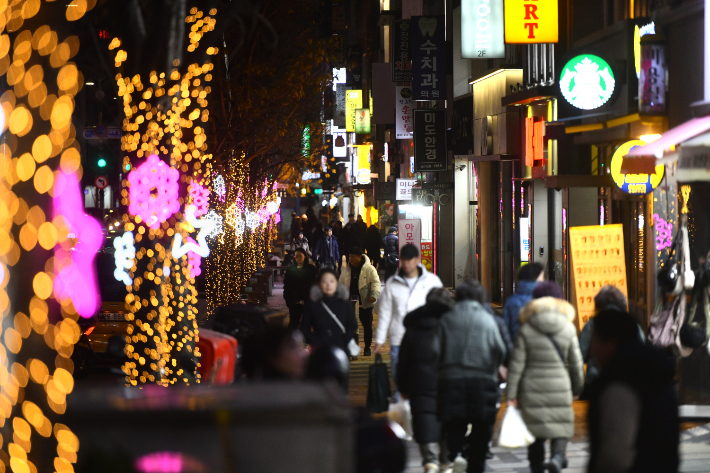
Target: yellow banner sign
353,101
531,21
597,256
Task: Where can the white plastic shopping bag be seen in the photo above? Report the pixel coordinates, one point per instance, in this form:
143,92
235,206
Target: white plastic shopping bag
513,432
401,413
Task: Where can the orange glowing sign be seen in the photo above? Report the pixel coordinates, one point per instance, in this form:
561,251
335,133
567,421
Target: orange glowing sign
534,141
531,21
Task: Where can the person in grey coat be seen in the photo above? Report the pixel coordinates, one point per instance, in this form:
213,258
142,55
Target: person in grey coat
471,350
545,374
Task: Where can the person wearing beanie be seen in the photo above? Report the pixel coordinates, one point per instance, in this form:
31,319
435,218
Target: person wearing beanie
528,278
546,374
364,283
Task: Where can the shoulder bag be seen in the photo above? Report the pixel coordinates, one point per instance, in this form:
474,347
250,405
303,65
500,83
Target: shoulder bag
353,346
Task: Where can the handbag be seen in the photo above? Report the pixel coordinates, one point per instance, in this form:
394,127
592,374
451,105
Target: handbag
694,331
379,391
353,347
664,326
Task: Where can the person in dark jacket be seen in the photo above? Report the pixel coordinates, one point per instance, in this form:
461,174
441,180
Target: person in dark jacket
359,230
471,350
391,244
318,326
528,277
326,252
417,375
297,286
373,244
633,409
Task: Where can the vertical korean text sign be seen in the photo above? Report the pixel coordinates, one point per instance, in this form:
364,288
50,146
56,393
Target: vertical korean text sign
482,33
430,140
410,231
652,78
401,52
428,57
531,21
404,109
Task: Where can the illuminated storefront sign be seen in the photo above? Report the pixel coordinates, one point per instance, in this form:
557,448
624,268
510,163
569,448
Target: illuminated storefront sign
652,78
633,183
353,101
362,121
640,32
482,34
587,82
362,170
404,119
428,57
430,140
534,141
524,239
531,21
401,52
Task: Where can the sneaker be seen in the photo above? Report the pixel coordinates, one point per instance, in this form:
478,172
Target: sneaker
367,352
431,468
460,465
446,468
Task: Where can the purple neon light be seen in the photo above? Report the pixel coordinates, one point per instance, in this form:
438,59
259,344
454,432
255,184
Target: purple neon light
168,462
74,267
200,198
154,176
664,236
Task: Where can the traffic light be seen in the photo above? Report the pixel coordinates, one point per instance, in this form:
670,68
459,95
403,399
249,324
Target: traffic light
101,163
318,191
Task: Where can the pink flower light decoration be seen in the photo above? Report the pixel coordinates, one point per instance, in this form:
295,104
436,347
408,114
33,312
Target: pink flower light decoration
200,198
264,215
154,191
194,260
74,264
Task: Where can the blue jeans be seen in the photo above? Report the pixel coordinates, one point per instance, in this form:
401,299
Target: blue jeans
394,357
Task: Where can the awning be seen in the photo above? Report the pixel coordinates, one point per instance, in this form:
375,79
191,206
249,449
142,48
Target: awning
644,159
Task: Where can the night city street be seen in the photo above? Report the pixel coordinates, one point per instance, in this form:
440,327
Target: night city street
355,236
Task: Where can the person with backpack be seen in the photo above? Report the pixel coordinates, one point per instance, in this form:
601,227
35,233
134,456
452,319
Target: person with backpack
545,374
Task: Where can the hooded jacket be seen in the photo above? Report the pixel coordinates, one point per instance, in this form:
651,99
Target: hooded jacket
543,385
511,310
397,300
368,284
317,325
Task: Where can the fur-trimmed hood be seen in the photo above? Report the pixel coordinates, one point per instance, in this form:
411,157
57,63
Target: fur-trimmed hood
547,314
341,293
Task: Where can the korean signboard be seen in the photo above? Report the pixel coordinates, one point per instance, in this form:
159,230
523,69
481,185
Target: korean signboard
404,188
633,183
524,239
353,101
410,231
427,255
597,256
404,110
428,58
339,105
362,121
401,56
652,79
385,191
693,164
430,140
534,141
482,34
531,21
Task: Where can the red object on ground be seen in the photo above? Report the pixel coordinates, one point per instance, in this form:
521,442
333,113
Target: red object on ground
219,357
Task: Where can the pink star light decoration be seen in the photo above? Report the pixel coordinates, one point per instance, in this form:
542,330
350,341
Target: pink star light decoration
200,198
74,263
154,191
194,261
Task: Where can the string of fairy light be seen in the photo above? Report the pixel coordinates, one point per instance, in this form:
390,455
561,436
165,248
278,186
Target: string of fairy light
40,169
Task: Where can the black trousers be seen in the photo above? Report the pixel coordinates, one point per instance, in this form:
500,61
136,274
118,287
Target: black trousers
366,320
294,314
477,442
536,452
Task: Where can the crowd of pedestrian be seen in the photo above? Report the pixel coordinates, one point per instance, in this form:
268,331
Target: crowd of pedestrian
455,360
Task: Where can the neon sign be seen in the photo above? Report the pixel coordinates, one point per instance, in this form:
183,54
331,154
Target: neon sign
587,82
74,264
125,252
154,191
206,227
664,233
534,141
633,183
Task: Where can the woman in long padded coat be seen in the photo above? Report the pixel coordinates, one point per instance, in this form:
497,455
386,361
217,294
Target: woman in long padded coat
545,374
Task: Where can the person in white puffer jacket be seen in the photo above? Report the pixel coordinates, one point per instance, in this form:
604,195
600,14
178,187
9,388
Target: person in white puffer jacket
405,291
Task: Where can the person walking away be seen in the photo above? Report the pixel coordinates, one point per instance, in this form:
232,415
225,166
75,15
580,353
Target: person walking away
545,374
301,242
418,376
295,225
326,251
391,245
528,277
346,234
364,283
471,350
329,301
633,408
358,233
404,292
297,286
373,245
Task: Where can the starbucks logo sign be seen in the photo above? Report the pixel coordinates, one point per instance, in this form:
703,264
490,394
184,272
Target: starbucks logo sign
587,82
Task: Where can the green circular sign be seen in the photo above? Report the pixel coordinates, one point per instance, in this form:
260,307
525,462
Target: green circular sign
587,82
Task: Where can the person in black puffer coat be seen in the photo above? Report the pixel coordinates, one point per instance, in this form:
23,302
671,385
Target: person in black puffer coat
297,286
391,244
418,374
318,326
